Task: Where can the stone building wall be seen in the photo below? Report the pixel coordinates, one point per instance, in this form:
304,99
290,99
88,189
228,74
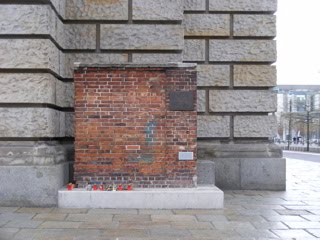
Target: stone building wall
231,41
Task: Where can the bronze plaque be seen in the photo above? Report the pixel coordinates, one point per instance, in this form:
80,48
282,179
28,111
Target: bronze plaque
181,101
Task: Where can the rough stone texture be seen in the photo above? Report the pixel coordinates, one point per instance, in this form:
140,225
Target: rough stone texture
206,172
255,126
243,50
248,149
69,124
64,94
60,6
255,76
242,101
30,186
79,36
31,153
243,5
35,88
156,58
254,25
157,10
29,53
193,5
206,25
25,19
263,174
250,173
194,50
31,122
97,9
213,126
130,37
213,75
91,58
201,100
27,88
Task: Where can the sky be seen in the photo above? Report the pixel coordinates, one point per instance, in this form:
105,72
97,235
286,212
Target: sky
298,42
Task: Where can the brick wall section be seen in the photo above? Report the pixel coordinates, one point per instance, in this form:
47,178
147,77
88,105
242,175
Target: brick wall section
125,131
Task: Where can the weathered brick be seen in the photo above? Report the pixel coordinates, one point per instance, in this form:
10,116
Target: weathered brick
254,25
157,10
194,5
201,100
255,126
243,5
213,75
194,50
132,37
206,25
242,101
97,9
213,126
255,76
243,50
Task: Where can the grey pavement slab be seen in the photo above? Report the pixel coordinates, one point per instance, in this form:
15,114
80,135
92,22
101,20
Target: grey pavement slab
248,215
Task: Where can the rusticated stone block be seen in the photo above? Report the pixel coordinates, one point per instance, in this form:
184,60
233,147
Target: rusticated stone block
254,25
90,58
194,50
255,126
28,19
69,124
243,50
201,100
194,5
255,76
29,53
31,122
97,9
243,5
79,36
37,153
213,126
132,37
64,94
156,58
206,25
157,10
242,101
213,75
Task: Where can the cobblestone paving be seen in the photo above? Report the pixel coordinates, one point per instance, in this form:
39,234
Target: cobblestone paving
248,215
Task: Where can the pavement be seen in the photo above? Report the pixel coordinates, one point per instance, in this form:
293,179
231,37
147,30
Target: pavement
248,215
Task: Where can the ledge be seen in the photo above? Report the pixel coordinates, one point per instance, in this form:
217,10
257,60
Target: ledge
79,65
207,197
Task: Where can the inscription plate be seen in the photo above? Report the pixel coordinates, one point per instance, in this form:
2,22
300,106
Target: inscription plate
181,101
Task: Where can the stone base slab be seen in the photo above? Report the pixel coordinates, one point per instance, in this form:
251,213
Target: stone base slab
209,197
32,186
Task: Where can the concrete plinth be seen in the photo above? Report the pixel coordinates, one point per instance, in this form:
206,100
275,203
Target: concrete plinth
190,198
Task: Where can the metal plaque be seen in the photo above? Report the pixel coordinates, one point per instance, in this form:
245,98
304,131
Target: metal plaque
181,101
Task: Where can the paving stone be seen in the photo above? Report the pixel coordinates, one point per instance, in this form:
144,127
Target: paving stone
8,233
256,233
292,212
16,216
89,217
60,224
50,216
131,218
169,233
314,232
233,225
302,225
113,211
8,209
192,225
293,234
282,218
100,225
34,210
173,218
23,224
269,225
155,212
211,218
121,233
70,210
